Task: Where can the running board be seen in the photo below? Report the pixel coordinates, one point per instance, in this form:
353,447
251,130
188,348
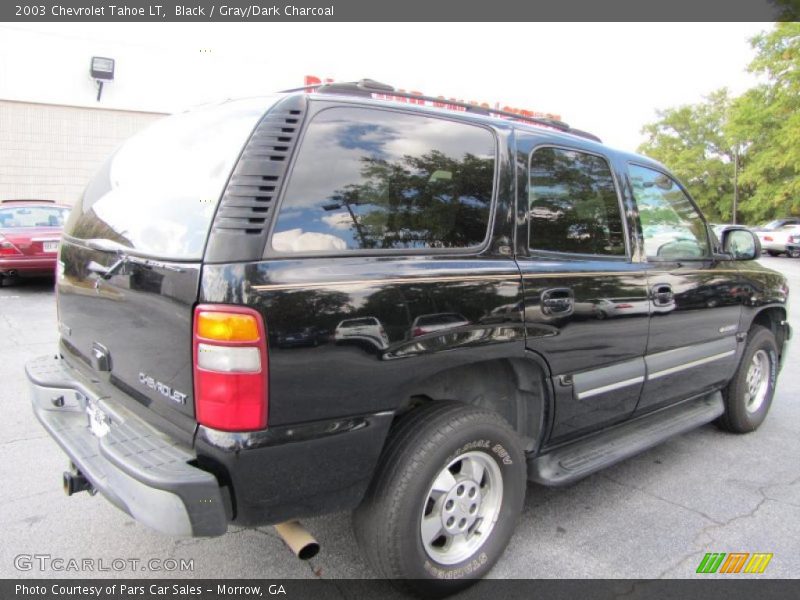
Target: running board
575,461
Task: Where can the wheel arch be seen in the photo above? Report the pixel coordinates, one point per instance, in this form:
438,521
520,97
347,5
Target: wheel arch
515,388
772,318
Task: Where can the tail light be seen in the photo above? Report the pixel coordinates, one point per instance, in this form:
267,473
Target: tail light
768,238
7,248
418,331
230,368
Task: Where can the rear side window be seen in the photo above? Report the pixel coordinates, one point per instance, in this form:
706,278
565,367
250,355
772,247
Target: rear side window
573,204
369,179
157,194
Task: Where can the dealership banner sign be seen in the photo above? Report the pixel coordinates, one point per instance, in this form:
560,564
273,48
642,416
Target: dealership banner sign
448,103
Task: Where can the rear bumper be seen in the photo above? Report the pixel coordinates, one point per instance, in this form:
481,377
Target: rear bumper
134,466
29,264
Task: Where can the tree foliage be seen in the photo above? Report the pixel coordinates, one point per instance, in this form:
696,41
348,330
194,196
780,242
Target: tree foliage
417,201
691,140
761,128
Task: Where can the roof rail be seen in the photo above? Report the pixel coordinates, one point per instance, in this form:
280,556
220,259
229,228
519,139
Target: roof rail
367,87
25,200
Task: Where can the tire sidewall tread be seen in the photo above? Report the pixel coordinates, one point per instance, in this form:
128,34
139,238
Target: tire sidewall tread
736,418
421,444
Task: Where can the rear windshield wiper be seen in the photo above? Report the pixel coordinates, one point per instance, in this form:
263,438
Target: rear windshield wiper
122,259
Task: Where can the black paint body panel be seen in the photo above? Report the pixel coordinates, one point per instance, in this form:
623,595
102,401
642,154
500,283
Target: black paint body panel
563,346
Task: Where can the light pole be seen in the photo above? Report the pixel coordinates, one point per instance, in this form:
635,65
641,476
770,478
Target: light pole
735,183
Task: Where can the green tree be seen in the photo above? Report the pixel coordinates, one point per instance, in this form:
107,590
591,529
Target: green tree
759,131
767,118
693,141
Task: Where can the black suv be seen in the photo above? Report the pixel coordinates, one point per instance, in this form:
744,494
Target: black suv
282,307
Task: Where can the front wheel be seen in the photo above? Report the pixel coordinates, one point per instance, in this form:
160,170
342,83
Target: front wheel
443,506
794,253
749,395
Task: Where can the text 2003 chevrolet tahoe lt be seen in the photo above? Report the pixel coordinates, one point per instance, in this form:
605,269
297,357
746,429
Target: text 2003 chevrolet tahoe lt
281,307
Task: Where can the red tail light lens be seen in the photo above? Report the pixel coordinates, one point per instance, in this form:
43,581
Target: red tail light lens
7,248
230,368
768,238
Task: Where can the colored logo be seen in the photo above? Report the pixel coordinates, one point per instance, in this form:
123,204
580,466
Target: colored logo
734,562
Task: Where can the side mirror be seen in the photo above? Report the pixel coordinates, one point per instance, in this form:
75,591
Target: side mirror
741,244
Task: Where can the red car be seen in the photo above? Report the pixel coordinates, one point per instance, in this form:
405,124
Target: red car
30,231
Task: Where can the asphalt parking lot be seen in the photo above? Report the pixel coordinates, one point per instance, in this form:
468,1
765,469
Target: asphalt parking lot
653,516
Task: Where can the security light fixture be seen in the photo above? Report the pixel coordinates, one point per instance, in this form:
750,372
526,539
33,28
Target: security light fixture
101,70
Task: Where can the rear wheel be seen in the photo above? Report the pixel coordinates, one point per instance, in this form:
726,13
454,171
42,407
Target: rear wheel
773,253
749,395
443,506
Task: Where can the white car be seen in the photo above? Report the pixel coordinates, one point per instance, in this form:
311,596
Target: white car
425,324
785,240
365,329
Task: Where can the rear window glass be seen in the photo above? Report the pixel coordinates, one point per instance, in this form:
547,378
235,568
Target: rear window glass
440,319
32,216
369,179
157,194
359,322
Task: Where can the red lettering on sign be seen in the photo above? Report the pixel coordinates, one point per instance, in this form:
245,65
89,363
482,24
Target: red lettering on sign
440,102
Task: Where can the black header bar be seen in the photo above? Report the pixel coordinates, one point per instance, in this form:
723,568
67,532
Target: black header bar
396,10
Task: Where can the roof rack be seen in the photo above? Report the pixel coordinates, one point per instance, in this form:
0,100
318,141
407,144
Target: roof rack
368,87
25,200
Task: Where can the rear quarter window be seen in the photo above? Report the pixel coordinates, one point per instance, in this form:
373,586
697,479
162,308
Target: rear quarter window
371,180
158,193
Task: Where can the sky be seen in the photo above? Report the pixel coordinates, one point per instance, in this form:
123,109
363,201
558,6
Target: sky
607,78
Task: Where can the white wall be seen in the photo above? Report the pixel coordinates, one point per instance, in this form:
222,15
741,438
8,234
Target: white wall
54,134
52,66
51,152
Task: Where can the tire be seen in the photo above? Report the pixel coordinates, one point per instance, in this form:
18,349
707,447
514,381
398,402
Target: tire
429,447
773,253
746,405
793,253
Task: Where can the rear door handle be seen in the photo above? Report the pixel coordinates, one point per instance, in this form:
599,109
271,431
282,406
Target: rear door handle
662,295
558,302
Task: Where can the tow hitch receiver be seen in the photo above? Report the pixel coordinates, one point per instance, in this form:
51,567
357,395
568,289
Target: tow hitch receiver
75,482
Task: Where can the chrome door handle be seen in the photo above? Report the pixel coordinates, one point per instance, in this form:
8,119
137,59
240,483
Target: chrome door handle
662,295
558,302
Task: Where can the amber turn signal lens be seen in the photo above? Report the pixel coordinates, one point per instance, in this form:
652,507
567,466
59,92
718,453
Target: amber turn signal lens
226,327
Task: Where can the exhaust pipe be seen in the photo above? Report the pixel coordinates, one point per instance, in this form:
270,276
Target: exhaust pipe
299,540
74,482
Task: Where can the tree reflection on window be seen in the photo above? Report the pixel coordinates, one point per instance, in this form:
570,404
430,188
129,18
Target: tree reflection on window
386,180
671,226
573,204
